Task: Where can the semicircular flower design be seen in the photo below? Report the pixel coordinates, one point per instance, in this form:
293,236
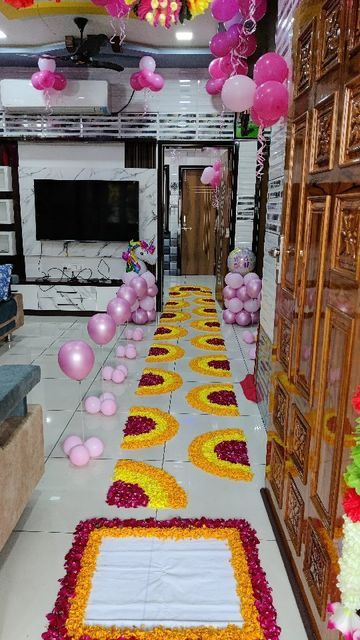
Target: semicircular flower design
148,427
205,301
207,311
135,483
174,305
169,333
209,343
162,352
212,326
223,453
155,381
169,317
215,399
190,289
178,294
213,365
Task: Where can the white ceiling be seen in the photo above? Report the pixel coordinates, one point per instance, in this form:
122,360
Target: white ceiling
48,29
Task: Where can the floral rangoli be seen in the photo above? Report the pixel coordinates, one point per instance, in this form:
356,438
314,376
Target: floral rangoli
169,333
208,311
155,381
212,326
215,399
209,343
168,317
162,352
213,365
148,427
223,453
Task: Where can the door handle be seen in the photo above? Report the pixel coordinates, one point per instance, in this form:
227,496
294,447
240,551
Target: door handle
274,252
186,228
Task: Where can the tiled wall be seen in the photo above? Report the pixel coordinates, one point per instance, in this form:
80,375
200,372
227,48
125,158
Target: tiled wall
245,201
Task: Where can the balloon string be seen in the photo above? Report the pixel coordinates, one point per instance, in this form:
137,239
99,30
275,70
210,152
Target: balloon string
250,22
215,202
260,157
82,413
146,101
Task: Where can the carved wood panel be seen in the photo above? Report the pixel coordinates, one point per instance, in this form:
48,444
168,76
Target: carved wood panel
277,471
346,254
324,134
350,143
281,410
285,341
304,58
300,443
354,30
316,567
294,514
331,36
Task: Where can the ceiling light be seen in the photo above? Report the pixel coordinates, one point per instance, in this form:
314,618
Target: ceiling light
2,35
184,35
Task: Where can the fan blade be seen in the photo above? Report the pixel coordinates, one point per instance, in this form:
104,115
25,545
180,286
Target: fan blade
98,64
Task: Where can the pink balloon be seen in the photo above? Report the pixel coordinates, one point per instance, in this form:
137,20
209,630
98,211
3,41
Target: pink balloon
243,318
247,46
239,67
235,305
101,328
79,456
226,303
142,81
234,35
242,294
147,303
250,276
271,66
129,334
140,316
151,315
138,334
117,8
149,279
234,280
131,352
157,82
216,181
120,351
257,120
107,372
255,317
260,8
238,93
119,310
126,293
213,87
228,316
46,64
118,376
47,79
220,45
134,81
229,292
135,306
214,69
248,337
252,305
147,62
108,407
237,19
76,359
128,276
70,442
223,10
107,395
147,75
36,81
140,287
95,446
271,101
153,291
208,173
60,82
253,288
92,404
124,369
217,165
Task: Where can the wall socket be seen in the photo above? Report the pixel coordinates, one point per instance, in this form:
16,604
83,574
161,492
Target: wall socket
72,268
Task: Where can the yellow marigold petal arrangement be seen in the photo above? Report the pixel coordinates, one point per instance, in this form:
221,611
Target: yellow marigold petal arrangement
223,453
212,326
205,301
176,317
176,294
161,352
164,332
208,311
215,399
173,305
209,343
148,427
155,381
213,365
68,617
190,290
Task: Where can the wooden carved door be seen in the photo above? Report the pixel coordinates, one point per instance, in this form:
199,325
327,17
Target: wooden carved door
198,217
317,331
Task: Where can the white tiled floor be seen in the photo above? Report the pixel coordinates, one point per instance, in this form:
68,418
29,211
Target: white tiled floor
32,561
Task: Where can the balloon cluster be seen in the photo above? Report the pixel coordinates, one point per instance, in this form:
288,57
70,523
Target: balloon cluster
47,77
105,404
129,351
136,299
115,374
232,47
146,78
212,175
134,334
242,299
115,8
80,452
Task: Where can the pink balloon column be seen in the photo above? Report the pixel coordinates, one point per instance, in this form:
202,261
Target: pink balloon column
135,300
146,78
242,299
46,78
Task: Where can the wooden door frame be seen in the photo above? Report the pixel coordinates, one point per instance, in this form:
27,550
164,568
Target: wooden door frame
196,144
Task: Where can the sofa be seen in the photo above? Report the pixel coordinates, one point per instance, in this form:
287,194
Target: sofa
11,315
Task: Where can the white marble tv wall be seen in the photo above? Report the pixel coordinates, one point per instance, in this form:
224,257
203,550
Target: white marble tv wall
79,161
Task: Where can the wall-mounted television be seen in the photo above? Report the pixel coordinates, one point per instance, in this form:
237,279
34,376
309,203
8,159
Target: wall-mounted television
87,210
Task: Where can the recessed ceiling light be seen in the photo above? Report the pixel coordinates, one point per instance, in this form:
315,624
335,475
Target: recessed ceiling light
184,35
2,35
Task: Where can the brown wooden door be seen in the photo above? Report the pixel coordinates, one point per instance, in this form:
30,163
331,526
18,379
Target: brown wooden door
316,366
198,217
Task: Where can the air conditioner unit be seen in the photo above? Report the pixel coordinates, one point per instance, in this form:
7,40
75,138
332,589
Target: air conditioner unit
79,96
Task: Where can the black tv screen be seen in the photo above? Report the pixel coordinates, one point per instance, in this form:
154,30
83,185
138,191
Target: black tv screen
87,210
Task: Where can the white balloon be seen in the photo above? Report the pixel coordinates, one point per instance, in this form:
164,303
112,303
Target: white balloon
47,64
147,62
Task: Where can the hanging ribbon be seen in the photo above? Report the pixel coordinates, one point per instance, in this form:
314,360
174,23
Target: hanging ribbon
260,157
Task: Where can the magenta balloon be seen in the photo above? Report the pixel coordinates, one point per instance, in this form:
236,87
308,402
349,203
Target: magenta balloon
238,93
234,280
140,287
126,293
101,328
253,288
242,294
217,165
140,316
228,316
229,66
149,278
148,76
157,82
271,101
47,79
60,82
248,45
223,10
255,317
100,3
117,8
252,305
260,9
76,359
151,315
216,181
147,303
36,81
229,292
237,19
243,318
234,35
271,66
220,45
134,82
153,290
213,87
119,310
215,70
235,305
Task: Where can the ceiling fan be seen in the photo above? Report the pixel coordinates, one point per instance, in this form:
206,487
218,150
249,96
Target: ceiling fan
83,51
